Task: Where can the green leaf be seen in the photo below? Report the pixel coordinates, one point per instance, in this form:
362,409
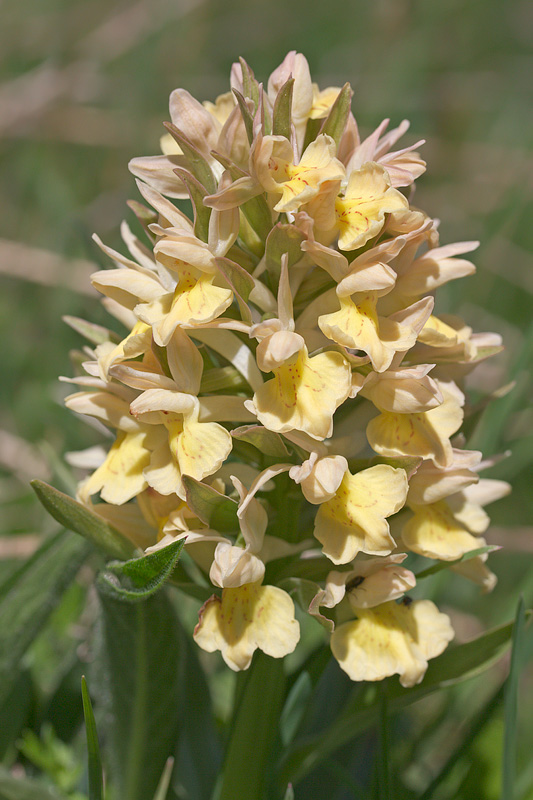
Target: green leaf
246,115
25,789
511,706
139,658
29,596
249,83
338,116
146,216
164,783
384,766
197,163
267,442
199,752
78,518
96,786
197,192
240,281
283,238
139,578
295,705
212,507
456,664
96,334
440,565
254,730
281,115
259,215
16,711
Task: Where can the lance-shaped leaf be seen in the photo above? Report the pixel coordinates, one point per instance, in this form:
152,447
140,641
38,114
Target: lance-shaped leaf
197,192
28,597
95,775
140,578
199,751
440,565
267,442
212,507
338,116
254,729
96,334
456,664
281,115
282,239
511,705
241,283
146,216
139,658
250,86
246,115
164,783
197,163
78,518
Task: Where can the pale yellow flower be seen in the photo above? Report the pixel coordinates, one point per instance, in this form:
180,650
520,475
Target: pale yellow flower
357,326
426,434
246,618
361,212
297,183
392,639
354,520
305,392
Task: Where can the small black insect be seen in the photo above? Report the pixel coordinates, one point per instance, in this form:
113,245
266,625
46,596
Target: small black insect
354,583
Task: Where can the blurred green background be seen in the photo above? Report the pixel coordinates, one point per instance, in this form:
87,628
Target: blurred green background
84,87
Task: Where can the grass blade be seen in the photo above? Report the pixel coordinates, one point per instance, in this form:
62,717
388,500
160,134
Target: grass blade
96,786
164,783
511,706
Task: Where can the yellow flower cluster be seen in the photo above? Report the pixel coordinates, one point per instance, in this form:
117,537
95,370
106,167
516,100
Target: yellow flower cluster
283,357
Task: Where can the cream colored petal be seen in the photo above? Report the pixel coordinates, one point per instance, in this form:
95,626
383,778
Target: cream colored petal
431,483
302,181
127,286
355,519
163,400
163,473
304,394
201,448
388,583
158,171
197,305
201,127
185,363
392,639
366,278
425,434
357,326
106,407
245,619
361,213
121,477
433,532
320,477
405,391
235,566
